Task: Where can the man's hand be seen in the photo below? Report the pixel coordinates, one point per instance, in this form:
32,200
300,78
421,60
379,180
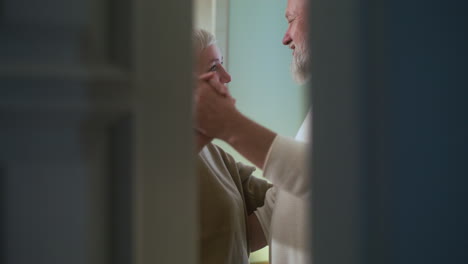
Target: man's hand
219,87
214,107
217,117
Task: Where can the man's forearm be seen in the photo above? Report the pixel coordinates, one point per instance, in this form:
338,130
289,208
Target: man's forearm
249,138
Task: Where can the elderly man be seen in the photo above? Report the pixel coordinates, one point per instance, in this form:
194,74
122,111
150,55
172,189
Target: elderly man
284,216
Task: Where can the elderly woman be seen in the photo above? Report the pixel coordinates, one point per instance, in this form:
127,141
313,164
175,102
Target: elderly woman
228,193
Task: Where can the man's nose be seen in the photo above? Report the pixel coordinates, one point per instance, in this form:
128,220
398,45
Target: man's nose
287,38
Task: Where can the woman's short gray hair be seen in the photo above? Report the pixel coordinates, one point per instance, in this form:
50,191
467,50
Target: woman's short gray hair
202,39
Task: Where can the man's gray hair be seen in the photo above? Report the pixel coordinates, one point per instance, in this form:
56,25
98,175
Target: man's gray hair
202,39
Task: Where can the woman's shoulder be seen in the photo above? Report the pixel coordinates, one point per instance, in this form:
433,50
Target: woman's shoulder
212,151
215,155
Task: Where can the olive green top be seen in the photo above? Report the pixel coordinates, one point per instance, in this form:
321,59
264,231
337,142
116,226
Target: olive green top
228,193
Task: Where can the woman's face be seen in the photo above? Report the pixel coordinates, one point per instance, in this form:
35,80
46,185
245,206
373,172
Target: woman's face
210,60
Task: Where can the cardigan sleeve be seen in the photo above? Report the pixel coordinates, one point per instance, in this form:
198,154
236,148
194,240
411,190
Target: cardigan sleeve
286,166
265,213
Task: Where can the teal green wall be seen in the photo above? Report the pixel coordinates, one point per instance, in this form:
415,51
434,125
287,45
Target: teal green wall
259,65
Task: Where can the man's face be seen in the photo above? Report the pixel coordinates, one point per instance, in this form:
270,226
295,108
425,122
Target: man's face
296,38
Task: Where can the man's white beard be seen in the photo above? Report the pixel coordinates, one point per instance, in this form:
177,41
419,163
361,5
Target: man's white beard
300,66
